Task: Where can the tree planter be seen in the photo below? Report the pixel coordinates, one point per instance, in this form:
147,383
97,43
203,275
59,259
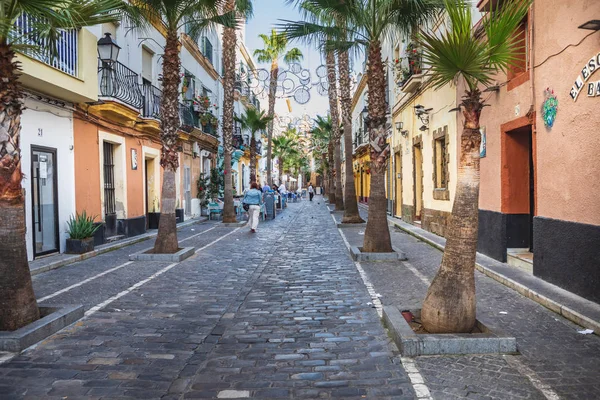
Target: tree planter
179,215
153,220
80,246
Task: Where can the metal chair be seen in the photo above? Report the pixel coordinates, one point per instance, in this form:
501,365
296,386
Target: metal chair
214,208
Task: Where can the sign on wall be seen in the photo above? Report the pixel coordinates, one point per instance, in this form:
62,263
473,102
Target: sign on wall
134,160
483,145
581,83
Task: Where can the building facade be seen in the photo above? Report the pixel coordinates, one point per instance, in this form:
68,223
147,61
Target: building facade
91,132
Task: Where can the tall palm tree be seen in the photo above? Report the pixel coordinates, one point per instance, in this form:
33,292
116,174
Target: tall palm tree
461,54
256,122
242,9
18,306
367,24
320,136
322,141
275,48
336,196
195,16
285,146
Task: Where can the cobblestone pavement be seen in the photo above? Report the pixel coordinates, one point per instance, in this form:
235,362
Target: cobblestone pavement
279,314
555,360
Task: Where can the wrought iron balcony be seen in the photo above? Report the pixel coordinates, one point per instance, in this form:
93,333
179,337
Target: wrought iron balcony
152,96
65,56
120,83
188,118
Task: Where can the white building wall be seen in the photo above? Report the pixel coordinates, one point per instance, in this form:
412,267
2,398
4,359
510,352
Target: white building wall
52,127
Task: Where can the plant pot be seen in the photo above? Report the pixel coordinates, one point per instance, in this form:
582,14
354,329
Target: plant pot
80,246
179,215
153,220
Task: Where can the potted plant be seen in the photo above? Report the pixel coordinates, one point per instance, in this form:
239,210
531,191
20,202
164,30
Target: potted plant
81,229
179,213
154,215
203,193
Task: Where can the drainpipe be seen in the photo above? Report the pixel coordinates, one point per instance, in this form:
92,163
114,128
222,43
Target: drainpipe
531,64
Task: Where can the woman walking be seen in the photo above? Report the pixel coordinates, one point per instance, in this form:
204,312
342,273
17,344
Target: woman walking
253,199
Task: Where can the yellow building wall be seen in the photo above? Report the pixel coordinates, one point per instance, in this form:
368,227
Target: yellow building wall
441,101
48,80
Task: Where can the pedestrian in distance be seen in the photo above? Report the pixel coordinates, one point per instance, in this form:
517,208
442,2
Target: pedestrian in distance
311,191
266,188
252,202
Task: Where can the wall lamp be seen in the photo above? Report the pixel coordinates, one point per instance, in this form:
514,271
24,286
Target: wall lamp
423,114
399,126
592,25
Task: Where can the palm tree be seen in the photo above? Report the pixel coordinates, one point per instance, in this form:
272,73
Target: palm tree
366,24
275,47
196,16
321,140
462,54
242,8
255,122
285,146
18,306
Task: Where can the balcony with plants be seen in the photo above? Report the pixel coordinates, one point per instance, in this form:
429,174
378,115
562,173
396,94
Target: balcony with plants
408,71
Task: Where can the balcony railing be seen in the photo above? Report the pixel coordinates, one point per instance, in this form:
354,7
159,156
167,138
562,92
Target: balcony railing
188,118
209,129
121,83
63,57
152,96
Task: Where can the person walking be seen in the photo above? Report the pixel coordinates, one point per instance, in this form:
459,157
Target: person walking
266,188
253,201
311,191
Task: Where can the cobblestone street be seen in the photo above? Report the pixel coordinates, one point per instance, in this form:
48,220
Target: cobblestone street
283,313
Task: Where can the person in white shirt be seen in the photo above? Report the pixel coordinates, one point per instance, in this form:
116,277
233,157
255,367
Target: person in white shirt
282,189
311,191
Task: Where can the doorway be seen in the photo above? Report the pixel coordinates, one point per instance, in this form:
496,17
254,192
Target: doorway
398,180
44,201
418,181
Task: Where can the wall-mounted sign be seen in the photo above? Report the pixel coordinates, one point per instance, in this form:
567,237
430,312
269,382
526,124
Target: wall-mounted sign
549,107
483,145
581,83
134,160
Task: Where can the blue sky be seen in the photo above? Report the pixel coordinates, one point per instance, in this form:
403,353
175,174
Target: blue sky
267,13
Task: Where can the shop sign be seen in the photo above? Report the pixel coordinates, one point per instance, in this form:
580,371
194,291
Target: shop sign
581,83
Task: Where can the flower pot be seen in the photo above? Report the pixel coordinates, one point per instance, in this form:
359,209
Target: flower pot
179,215
80,246
153,220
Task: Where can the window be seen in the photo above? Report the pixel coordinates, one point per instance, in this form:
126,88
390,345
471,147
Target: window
517,73
207,49
147,57
441,158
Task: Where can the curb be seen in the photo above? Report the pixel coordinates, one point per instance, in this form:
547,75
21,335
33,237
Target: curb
550,304
108,248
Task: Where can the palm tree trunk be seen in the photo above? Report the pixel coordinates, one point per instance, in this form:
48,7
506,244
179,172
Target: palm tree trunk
324,179
351,214
166,239
330,173
272,93
252,159
377,233
335,122
280,169
229,42
450,304
18,306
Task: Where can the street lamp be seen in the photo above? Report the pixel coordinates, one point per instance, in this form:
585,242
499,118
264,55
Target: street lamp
108,49
365,114
399,126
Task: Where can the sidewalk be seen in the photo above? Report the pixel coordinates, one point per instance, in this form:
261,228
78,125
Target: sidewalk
571,306
58,260
555,360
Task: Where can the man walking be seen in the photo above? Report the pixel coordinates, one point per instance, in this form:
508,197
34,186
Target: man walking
311,191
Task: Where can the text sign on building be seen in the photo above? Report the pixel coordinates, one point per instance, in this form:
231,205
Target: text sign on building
581,83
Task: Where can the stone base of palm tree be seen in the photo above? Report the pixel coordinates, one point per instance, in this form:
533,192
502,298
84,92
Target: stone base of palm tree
53,318
149,255
412,344
353,220
359,255
361,225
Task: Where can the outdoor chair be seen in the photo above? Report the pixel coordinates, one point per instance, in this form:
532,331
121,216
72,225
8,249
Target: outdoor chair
214,208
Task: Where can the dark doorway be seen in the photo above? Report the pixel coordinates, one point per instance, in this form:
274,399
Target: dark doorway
110,212
44,202
418,181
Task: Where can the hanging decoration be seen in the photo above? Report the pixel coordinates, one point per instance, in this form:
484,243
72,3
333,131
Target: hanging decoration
294,82
549,107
